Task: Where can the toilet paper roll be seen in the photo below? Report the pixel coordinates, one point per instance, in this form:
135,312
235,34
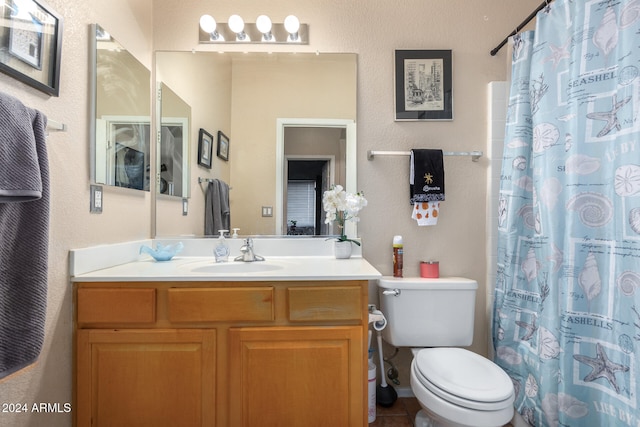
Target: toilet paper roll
377,318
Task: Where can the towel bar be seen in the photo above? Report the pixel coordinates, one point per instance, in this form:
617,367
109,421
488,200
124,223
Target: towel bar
53,125
475,155
201,180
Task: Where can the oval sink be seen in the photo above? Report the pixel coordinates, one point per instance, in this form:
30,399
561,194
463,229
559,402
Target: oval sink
234,267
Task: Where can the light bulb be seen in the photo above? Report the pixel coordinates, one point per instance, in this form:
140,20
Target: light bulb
207,23
263,22
236,24
291,24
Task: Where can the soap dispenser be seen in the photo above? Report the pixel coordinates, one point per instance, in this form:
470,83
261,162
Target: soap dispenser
221,252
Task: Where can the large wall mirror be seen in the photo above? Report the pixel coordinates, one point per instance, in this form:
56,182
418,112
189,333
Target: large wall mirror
121,131
173,149
264,102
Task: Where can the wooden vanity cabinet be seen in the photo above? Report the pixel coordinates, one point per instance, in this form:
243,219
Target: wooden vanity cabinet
221,353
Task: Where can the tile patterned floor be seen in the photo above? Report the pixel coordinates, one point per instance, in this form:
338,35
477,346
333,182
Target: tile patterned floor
401,414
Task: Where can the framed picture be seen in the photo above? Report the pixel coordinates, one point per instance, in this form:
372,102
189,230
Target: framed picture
31,43
205,148
423,88
223,146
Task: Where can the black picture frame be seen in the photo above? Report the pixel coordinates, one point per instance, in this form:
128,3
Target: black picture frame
205,148
223,146
32,40
423,85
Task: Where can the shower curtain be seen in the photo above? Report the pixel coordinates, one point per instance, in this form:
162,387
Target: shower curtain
566,321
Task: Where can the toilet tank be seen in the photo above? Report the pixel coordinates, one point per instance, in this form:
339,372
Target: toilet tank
428,312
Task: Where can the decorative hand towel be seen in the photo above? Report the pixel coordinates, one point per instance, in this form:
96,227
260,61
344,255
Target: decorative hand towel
426,183
426,213
24,234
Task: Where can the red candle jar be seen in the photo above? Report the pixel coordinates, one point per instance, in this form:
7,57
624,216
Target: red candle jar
430,269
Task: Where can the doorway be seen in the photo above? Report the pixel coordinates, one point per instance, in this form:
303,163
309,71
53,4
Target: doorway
328,141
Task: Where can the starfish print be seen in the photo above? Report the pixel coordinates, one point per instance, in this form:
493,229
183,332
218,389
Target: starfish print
558,53
531,328
428,178
601,367
610,117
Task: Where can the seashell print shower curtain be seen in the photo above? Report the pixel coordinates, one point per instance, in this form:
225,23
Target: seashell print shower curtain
566,324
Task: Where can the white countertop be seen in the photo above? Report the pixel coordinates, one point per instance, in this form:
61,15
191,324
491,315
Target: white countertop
285,268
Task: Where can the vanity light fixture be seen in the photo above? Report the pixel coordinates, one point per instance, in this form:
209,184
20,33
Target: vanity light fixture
208,25
292,25
262,31
263,23
236,24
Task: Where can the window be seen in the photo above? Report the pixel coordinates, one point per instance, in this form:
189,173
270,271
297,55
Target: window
301,203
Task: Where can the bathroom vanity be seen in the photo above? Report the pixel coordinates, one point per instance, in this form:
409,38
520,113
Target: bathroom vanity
185,343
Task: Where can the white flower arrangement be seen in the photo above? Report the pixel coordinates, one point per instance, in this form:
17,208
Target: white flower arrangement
341,206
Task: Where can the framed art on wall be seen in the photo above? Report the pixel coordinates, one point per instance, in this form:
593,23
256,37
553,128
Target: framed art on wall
205,148
31,43
223,146
423,86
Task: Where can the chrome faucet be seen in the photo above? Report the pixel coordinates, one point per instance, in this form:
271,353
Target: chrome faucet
247,252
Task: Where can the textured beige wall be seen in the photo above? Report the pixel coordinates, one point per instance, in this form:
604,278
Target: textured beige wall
471,28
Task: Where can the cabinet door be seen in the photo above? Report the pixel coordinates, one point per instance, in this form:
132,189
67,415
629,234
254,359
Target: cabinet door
297,376
145,378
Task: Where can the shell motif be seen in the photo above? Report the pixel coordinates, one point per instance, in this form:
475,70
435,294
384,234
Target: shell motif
528,415
571,406
524,182
568,141
556,257
627,75
627,181
594,209
634,219
531,386
550,409
530,265
589,277
519,163
628,282
517,386
549,345
509,355
630,14
581,164
605,37
517,143
545,135
551,189
528,217
502,211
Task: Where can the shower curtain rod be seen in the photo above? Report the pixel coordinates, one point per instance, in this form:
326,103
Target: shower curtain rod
521,26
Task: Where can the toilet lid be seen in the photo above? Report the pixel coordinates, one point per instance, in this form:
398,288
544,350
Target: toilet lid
464,374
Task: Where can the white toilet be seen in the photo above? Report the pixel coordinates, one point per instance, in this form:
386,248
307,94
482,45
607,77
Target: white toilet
454,386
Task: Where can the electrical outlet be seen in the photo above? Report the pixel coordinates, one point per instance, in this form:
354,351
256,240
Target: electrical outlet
267,211
96,200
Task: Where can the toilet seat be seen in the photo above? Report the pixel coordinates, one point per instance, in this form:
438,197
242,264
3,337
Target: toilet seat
463,378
